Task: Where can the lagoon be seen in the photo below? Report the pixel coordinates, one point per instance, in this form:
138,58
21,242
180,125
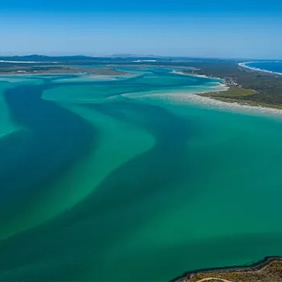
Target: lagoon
118,179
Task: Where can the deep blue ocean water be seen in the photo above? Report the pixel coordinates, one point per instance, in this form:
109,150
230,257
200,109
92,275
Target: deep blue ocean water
273,66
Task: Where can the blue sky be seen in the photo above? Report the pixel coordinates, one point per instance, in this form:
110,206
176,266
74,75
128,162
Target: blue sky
246,29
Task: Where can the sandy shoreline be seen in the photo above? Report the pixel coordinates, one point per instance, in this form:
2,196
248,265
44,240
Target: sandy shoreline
194,74
235,106
207,102
222,105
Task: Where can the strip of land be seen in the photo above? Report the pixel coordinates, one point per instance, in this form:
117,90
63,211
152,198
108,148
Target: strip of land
268,270
246,86
28,68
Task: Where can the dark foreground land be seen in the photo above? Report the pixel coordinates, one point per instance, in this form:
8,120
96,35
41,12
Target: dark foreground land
269,270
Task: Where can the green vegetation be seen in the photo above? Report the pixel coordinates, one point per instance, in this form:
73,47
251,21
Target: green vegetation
230,95
233,92
254,88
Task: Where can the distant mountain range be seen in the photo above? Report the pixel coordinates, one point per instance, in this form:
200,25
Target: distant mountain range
37,57
115,58
82,58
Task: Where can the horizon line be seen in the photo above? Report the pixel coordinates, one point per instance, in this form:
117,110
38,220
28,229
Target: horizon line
132,56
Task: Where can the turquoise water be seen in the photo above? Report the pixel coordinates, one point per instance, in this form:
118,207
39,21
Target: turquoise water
123,180
273,66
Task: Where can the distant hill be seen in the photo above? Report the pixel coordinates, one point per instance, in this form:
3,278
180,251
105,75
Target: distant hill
43,58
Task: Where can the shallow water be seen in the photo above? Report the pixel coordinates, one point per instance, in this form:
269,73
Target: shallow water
103,186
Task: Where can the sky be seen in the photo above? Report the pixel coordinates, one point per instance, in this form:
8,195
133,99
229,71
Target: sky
206,28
